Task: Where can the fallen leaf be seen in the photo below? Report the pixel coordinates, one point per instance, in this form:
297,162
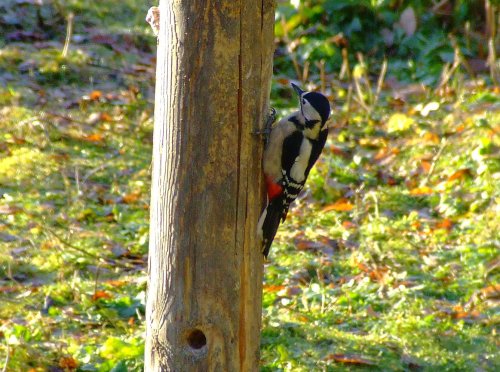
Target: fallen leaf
408,21
341,205
362,267
431,137
273,288
349,225
424,190
459,174
95,95
283,81
378,275
445,224
431,106
460,128
9,209
131,198
399,122
350,359
339,151
96,137
9,289
466,314
68,363
425,165
116,283
100,295
106,117
492,291
326,247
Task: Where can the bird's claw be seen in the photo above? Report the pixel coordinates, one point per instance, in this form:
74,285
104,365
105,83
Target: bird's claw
266,130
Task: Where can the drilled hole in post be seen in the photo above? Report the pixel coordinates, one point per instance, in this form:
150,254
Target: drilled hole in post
196,339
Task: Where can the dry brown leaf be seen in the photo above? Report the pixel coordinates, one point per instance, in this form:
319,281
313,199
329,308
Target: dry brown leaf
273,288
116,283
466,314
283,81
445,224
95,95
424,190
349,225
68,363
425,165
96,137
492,291
341,205
131,198
459,174
338,151
106,117
101,295
431,137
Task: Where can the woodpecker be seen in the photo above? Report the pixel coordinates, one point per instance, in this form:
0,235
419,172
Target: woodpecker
294,145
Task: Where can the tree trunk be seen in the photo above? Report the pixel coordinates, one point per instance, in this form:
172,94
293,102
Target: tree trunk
205,265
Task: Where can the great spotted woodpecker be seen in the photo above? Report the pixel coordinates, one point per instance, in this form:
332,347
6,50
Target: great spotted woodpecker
294,145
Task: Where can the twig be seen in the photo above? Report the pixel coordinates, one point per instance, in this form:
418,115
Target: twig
373,195
74,247
380,83
7,357
458,54
61,116
361,100
69,33
447,73
95,170
491,32
492,62
96,282
292,56
345,71
105,261
349,98
361,60
305,71
435,160
321,67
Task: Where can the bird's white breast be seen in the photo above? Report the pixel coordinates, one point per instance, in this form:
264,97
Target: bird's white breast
299,167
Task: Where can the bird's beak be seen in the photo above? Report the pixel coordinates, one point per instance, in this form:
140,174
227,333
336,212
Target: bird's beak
297,89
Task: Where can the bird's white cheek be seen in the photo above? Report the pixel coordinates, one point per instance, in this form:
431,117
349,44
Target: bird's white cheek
310,113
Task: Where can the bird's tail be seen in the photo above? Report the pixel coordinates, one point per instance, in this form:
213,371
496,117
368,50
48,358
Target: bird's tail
269,222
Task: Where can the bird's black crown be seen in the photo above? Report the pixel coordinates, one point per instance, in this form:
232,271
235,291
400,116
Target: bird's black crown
320,104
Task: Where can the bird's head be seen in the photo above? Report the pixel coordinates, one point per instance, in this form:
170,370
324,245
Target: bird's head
314,107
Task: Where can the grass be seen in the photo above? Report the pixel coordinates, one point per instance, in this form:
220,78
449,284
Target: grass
389,260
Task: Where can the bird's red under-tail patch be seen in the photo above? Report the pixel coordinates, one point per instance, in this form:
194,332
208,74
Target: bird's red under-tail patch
273,189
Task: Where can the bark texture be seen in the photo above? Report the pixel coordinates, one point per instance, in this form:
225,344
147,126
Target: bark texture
213,79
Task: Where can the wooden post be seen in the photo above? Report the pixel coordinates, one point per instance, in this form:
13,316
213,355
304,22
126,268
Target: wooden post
205,266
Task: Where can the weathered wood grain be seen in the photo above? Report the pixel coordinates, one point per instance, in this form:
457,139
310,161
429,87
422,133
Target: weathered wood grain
213,77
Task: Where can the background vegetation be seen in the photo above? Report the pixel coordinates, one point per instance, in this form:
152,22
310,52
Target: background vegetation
389,260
